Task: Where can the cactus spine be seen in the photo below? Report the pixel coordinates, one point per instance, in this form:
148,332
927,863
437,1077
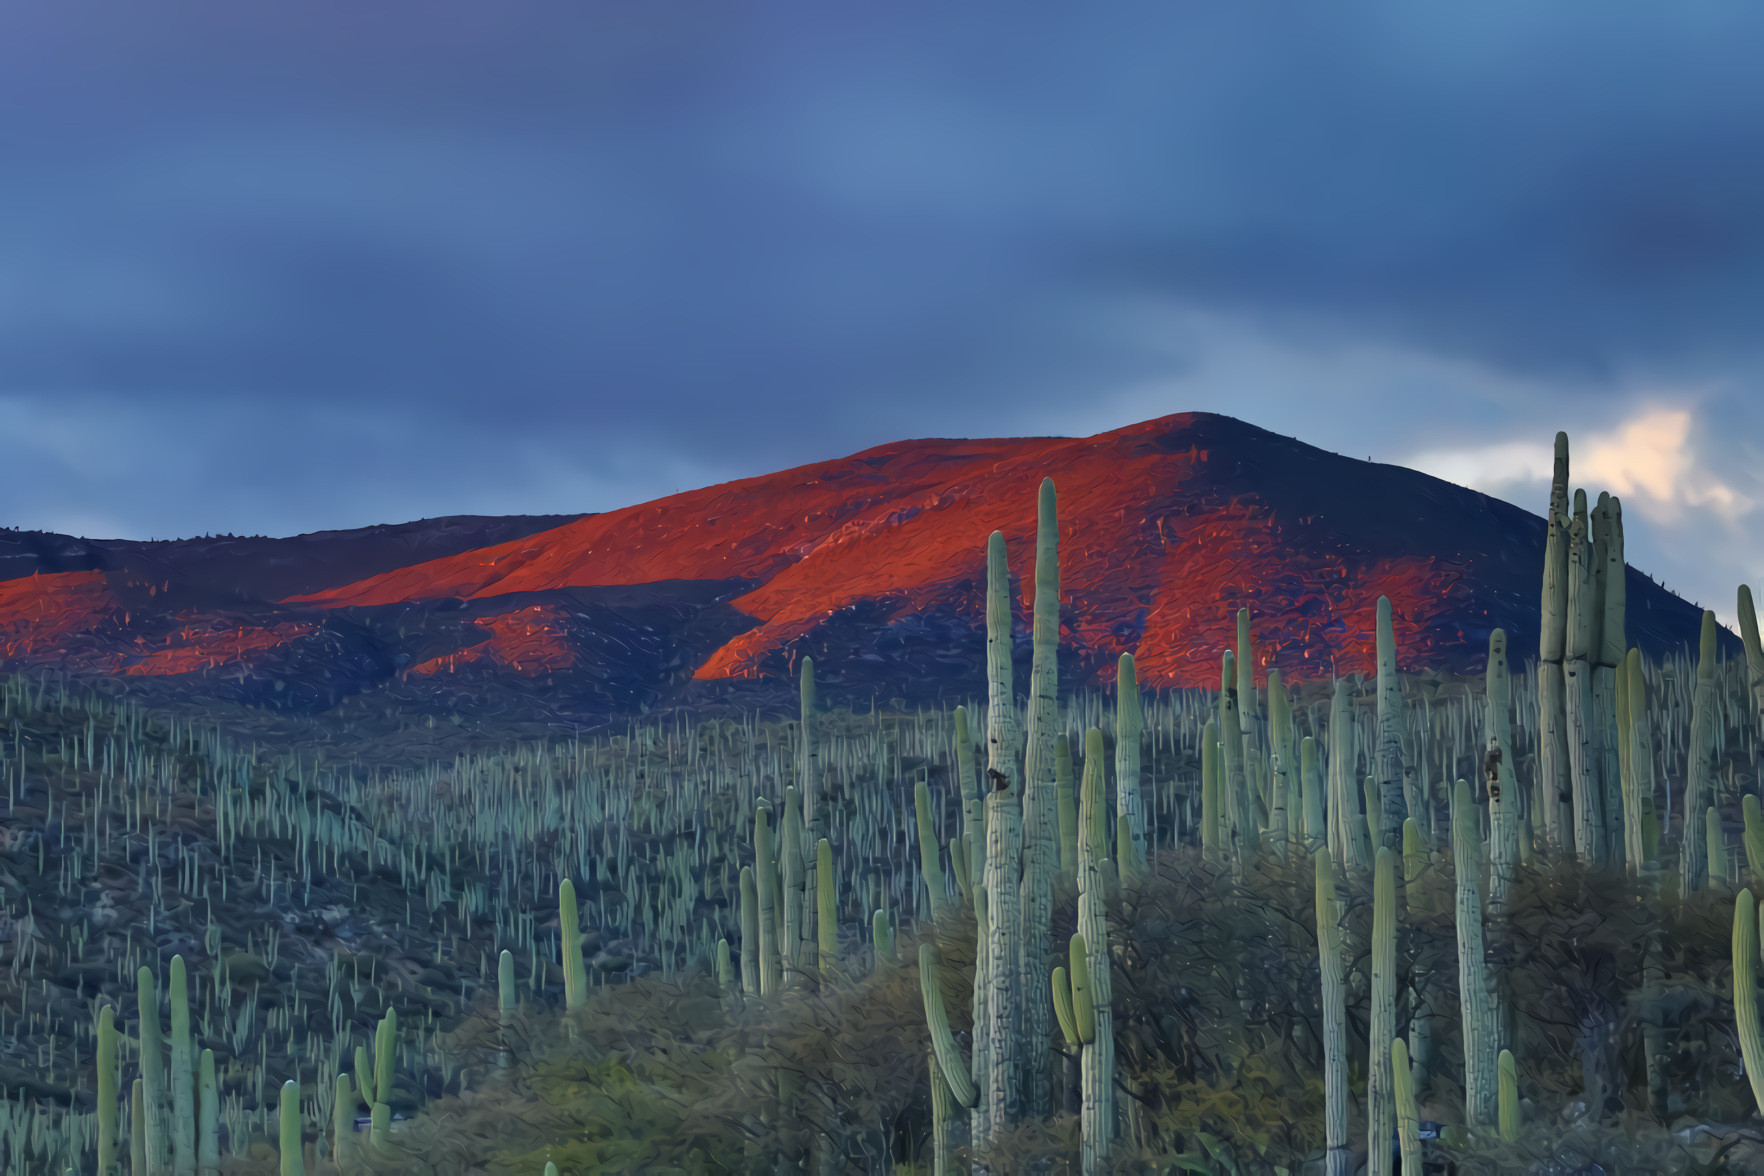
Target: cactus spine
1745,990
1393,806
1335,1079
1097,1066
1129,725
570,925
1475,985
107,1101
1553,779
1380,1105
288,1138
1705,705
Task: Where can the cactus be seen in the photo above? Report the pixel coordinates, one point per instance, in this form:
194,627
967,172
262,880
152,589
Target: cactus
1641,753
725,961
1612,647
791,870
1414,851
1475,985
884,939
288,1137
1748,622
1285,813
1508,1126
1633,853
1129,725
1381,1109
1066,794
380,1129
814,825
138,1128
1374,811
1005,1029
1098,1062
1753,839
207,1116
1335,1078
1248,715
343,1125
943,1042
570,925
1553,770
1211,827
826,908
1311,776
1502,782
1408,1118
771,977
942,1114
1393,806
507,1002
1745,990
1245,831
750,934
1698,772
973,799
1346,842
1583,737
153,1076
182,1074
930,865
107,1101
1040,804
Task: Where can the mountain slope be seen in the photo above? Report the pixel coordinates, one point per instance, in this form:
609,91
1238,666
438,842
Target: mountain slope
873,563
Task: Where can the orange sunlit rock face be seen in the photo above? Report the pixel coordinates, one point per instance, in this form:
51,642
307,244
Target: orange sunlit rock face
533,642
38,613
191,648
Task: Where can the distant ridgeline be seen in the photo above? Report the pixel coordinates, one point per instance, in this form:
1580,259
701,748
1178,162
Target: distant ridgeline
872,564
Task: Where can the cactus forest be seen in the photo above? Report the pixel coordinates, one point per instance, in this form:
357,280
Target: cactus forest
1423,922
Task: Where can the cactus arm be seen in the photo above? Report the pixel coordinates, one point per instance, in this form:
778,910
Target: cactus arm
943,1043
1745,990
569,923
1508,1127
1334,990
1408,1118
1380,1091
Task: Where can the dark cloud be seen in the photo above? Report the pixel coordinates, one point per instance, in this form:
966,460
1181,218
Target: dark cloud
747,235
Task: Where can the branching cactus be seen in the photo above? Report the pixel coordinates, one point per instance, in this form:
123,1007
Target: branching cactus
1330,969
1480,1012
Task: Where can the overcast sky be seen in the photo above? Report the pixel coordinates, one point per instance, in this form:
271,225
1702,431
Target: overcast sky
281,268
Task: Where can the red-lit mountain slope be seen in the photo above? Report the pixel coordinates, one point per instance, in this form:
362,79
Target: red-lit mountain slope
873,563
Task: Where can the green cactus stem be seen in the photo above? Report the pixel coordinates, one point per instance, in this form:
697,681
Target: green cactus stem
1347,841
1311,776
1717,848
1499,777
1249,717
343,1125
1210,826
1508,1126
1283,811
1065,788
1244,834
385,1050
138,1128
1745,990
1330,968
207,1117
288,1137
1553,769
1407,1117
814,824
1748,622
153,1077
1393,806
1633,854
826,908
1097,1066
1641,754
943,1042
792,870
1583,640
1040,807
883,938
107,1097
1005,1028
1129,808
1380,1091
942,1115
570,925
380,1129
1699,754
182,1074
930,864
750,934
1480,1013
1753,839
765,861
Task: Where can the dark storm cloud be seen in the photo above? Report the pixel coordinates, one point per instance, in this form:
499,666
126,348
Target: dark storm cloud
740,236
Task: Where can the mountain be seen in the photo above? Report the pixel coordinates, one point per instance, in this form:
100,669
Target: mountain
873,563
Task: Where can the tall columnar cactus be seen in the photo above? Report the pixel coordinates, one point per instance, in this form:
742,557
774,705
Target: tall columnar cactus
105,1063
138,1134
343,1125
1717,843
1698,770
792,868
1311,773
771,977
1476,992
1508,1098
1283,812
1244,835
1129,725
1745,990
207,1117
1502,782
943,1042
1407,1117
1213,821
942,1119
385,1051
1641,751
1330,968
1612,597
1393,806
1249,715
1753,839
973,799
1005,1029
1098,1064
1345,840
1634,855
1748,622
288,1138
569,924
182,1075
814,824
750,933
1040,805
153,1077
930,861
826,908
1584,760
1066,793
1553,775
1381,1031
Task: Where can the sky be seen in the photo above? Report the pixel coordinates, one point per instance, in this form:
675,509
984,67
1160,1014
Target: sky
280,268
